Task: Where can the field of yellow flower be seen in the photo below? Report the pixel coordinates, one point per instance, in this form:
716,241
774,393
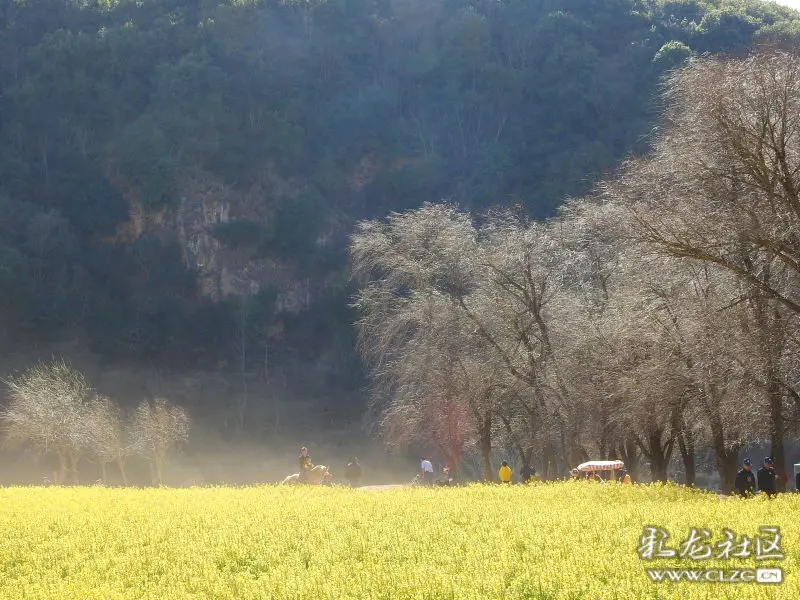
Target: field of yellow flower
561,540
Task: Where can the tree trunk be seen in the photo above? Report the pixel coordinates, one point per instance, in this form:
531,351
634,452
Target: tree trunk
771,333
524,457
573,454
485,432
629,455
726,466
776,432
726,457
565,457
547,459
73,467
658,468
160,469
157,468
121,467
657,453
685,439
62,468
686,447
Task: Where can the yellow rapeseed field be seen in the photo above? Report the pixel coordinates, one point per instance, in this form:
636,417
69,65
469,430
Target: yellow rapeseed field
561,540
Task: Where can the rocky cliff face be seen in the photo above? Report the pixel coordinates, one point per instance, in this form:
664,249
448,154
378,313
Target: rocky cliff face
203,203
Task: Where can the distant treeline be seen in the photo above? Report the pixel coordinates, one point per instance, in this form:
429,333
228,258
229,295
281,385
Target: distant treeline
53,410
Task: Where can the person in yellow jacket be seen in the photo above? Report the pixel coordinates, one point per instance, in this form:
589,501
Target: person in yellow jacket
505,473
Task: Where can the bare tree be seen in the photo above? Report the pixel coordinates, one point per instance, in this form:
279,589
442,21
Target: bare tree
474,303
47,410
723,187
157,428
590,329
515,313
108,436
434,377
732,145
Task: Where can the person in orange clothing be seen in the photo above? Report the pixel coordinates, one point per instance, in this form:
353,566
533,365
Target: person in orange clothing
505,473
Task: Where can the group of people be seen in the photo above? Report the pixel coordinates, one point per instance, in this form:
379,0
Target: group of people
427,473
620,476
746,483
352,471
765,478
527,474
505,473
427,476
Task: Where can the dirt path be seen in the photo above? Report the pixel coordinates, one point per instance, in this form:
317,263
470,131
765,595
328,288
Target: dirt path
393,486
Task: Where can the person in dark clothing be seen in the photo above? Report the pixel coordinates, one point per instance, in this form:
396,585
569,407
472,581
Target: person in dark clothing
353,472
745,481
305,464
447,478
767,478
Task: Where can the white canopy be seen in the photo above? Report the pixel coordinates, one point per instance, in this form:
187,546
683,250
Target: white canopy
601,465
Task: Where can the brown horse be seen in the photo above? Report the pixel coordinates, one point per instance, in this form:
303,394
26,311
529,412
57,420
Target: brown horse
316,476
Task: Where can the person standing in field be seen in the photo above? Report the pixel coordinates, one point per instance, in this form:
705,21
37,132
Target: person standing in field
745,481
305,464
353,472
626,478
767,478
504,473
426,470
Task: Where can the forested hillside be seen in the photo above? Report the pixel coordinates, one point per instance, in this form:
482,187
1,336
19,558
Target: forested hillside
178,177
